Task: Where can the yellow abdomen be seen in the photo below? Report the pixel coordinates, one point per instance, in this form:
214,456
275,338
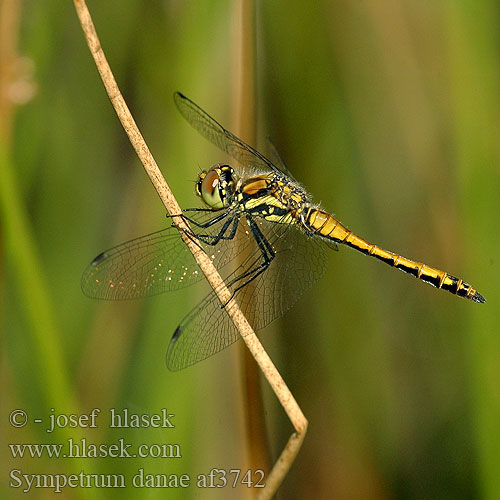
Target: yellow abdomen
325,225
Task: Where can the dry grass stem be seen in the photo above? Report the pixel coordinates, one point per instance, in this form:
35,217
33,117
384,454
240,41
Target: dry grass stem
278,385
244,120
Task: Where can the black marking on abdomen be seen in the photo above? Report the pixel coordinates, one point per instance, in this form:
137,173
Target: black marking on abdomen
388,260
410,270
432,280
463,290
451,287
364,251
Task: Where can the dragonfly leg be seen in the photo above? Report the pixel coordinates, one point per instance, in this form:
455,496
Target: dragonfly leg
213,239
182,214
211,222
268,255
195,222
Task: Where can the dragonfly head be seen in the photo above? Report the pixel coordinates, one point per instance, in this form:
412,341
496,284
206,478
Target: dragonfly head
216,186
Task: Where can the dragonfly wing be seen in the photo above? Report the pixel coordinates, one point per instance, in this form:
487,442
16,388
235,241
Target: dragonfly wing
205,330
299,262
220,137
277,159
154,263
142,267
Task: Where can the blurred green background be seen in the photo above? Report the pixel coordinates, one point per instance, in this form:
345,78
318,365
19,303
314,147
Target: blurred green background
388,112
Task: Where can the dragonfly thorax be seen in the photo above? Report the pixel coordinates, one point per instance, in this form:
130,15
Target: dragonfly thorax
216,186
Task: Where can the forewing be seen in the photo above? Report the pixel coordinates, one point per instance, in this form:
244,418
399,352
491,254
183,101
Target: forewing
220,137
154,263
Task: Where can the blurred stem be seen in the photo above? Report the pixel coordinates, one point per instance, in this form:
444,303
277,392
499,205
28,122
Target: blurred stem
19,240
22,255
244,92
9,26
25,264
244,89
473,38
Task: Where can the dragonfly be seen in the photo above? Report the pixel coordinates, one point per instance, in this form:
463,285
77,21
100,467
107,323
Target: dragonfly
262,231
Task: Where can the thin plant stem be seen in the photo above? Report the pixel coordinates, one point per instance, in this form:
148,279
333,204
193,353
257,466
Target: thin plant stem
277,383
245,111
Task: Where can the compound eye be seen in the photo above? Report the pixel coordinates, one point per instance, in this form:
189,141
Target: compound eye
210,190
